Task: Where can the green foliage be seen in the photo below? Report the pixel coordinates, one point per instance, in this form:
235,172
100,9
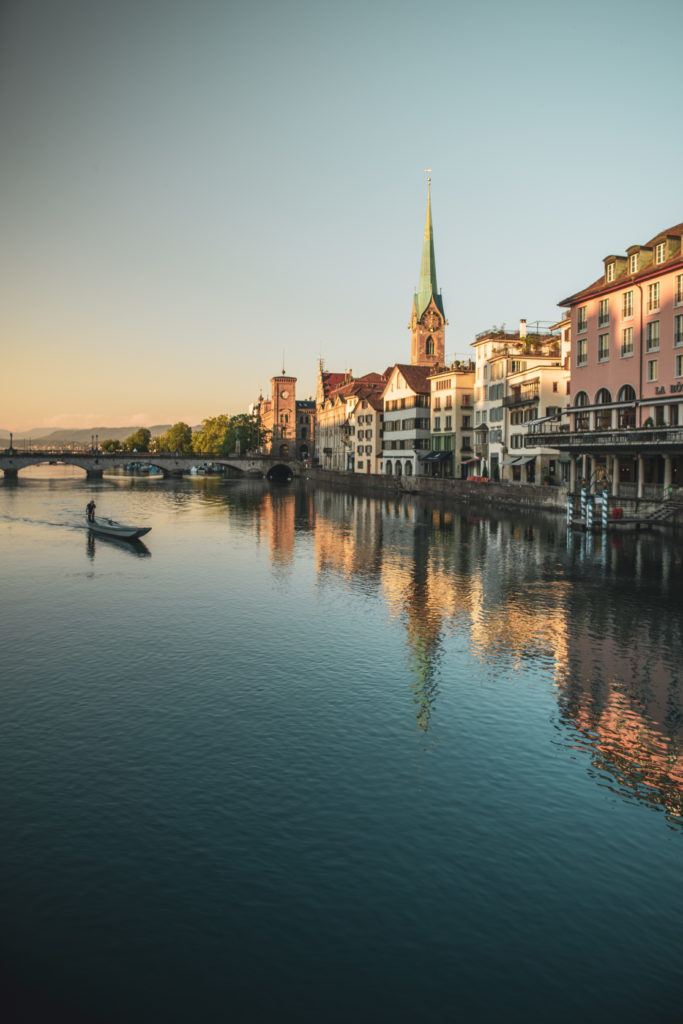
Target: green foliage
110,445
209,437
218,435
245,428
177,438
485,470
139,441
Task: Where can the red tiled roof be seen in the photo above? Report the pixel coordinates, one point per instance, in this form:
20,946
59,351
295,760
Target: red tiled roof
416,377
331,381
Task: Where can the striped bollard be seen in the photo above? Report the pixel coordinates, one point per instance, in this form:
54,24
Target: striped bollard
603,512
589,514
570,509
583,502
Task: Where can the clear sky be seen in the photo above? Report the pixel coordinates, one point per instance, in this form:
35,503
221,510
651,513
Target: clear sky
191,189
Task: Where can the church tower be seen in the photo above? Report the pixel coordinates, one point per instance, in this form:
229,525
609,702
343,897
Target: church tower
428,322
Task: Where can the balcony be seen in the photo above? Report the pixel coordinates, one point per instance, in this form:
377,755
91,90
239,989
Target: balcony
517,398
630,440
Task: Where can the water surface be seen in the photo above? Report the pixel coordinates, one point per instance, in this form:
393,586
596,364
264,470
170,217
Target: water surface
306,754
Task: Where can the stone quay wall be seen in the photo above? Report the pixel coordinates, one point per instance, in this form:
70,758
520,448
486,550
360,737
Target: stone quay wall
549,498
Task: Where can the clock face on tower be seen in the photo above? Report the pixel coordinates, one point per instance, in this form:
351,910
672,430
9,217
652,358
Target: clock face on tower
284,394
432,321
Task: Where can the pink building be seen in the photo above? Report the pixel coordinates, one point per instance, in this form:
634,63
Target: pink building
626,388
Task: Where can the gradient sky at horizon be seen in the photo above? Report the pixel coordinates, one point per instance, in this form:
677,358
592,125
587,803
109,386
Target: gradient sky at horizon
193,192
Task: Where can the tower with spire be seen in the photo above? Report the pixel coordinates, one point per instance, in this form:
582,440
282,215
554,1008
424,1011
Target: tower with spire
428,322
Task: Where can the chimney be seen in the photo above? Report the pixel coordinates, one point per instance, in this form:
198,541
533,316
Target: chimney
522,328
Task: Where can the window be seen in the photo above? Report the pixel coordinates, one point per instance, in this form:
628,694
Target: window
633,263
627,305
610,272
627,342
603,312
603,417
678,330
653,369
653,297
449,423
581,352
678,290
679,366
437,423
554,385
652,336
582,319
437,402
466,422
603,347
660,252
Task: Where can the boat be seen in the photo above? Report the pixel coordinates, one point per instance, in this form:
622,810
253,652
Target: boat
113,529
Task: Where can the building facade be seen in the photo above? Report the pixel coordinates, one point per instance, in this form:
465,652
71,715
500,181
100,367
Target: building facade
451,421
521,378
625,421
366,421
337,416
406,428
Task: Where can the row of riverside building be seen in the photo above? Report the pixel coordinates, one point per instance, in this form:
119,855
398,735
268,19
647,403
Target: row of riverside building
594,397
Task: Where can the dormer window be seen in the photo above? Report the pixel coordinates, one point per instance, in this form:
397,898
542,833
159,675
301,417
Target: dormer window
610,272
633,263
660,252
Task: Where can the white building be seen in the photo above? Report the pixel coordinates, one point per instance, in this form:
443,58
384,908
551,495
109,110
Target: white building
406,420
520,378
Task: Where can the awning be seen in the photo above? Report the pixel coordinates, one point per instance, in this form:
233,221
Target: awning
564,458
542,419
435,457
510,462
524,459
466,462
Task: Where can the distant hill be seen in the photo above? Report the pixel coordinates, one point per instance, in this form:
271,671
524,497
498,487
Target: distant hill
72,435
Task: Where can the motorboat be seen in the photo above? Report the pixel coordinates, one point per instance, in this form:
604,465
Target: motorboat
113,529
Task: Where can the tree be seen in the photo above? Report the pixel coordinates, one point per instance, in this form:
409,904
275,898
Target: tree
110,445
139,441
209,437
246,428
177,438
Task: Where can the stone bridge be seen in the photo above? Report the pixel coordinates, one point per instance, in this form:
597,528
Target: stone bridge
12,460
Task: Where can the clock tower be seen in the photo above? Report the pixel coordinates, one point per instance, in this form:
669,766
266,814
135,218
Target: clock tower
283,391
428,322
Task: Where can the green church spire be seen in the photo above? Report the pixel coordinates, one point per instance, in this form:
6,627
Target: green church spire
428,287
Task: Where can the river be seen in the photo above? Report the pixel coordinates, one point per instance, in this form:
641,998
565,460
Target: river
302,754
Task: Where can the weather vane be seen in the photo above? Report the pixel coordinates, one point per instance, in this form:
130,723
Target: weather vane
428,170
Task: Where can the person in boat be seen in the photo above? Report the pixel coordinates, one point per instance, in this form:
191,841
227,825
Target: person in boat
90,511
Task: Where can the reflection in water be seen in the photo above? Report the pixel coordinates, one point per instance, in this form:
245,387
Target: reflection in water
131,547
602,614
620,696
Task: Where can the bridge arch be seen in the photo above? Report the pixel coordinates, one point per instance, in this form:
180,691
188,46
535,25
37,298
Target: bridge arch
279,473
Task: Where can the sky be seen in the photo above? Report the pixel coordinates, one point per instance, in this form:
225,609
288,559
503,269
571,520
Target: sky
196,195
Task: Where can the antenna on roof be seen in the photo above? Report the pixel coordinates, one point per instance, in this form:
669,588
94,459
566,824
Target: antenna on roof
283,362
